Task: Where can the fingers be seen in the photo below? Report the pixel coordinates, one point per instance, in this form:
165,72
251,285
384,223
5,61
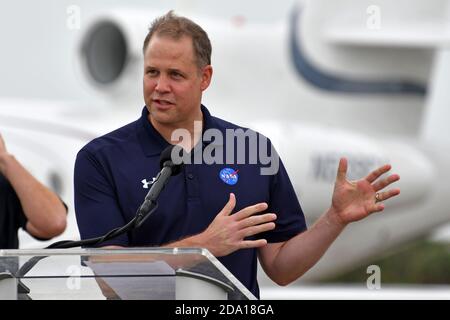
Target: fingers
383,196
377,207
2,144
228,209
246,244
342,169
248,211
251,231
377,173
244,213
385,182
255,220
249,225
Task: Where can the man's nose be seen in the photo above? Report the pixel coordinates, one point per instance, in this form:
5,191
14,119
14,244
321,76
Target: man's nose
162,84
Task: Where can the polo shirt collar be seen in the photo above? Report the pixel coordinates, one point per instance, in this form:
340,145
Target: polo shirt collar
153,143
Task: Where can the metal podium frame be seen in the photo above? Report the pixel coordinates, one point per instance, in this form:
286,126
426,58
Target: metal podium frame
117,274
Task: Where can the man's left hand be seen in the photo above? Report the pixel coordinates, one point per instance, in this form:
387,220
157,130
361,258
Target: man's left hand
355,200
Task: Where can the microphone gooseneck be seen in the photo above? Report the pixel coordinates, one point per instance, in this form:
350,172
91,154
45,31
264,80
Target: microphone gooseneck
169,168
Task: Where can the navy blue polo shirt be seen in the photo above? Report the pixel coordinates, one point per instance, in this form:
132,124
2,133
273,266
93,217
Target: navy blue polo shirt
112,172
12,217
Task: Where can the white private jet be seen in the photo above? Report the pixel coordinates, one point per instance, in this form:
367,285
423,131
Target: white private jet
323,79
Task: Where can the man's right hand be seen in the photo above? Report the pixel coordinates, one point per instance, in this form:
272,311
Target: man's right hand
3,155
2,145
227,232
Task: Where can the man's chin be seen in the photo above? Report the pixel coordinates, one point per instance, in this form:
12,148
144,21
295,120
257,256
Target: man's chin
161,117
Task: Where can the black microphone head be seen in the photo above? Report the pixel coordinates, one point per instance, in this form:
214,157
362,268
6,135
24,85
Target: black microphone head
172,157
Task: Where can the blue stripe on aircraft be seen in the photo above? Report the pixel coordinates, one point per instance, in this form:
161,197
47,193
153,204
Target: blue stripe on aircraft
335,83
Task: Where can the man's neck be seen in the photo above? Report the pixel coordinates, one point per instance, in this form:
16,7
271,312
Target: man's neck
194,127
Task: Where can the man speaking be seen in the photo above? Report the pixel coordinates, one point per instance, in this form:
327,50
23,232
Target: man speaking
222,199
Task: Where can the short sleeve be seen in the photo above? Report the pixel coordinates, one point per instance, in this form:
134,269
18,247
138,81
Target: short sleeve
11,206
12,216
284,203
96,206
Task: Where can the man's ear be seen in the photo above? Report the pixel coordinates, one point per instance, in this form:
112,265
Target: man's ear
207,73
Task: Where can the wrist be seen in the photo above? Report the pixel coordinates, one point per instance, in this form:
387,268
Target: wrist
189,242
196,241
333,218
199,241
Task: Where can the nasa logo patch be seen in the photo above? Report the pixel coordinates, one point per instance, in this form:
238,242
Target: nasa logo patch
229,176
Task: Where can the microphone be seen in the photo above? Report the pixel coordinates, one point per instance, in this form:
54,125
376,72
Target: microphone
169,168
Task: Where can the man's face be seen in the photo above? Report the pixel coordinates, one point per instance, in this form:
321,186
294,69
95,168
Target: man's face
173,83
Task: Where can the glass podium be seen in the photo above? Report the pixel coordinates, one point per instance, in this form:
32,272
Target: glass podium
119,274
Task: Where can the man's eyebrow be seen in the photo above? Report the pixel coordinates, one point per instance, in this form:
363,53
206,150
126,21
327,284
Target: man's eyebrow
169,70
176,70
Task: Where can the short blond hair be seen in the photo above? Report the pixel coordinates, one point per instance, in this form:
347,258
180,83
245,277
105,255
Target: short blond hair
175,27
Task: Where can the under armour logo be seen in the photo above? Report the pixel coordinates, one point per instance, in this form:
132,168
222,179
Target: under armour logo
146,183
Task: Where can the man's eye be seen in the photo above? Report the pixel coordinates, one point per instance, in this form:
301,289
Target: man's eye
177,75
152,72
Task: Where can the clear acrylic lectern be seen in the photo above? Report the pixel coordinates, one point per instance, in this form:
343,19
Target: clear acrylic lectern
122,274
